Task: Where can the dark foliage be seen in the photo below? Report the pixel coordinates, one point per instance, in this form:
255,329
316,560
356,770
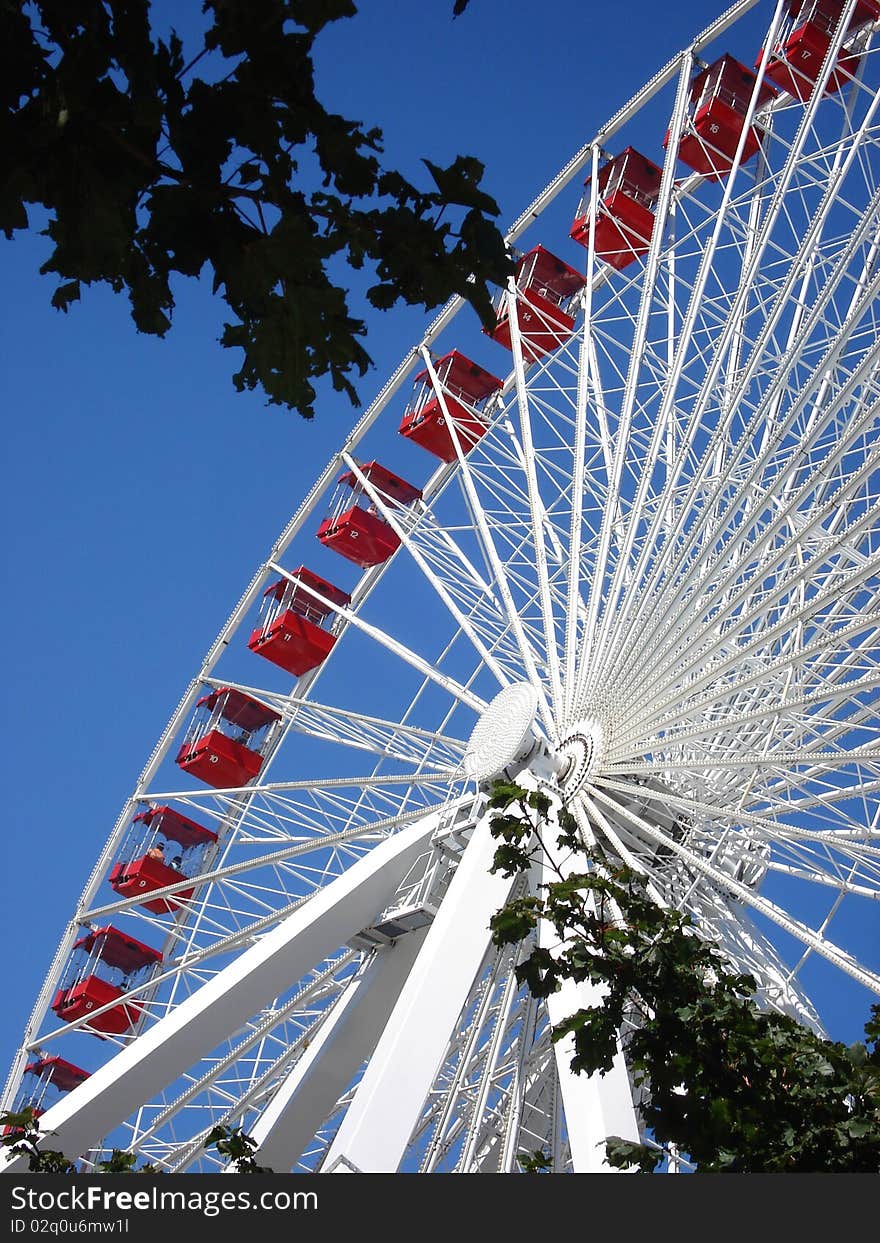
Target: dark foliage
238,1148
22,1136
735,1088
157,161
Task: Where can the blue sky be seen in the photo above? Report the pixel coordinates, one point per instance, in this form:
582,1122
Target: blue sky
141,491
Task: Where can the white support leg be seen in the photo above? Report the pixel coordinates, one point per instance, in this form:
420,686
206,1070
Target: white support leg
166,1050
596,1106
345,1040
375,1131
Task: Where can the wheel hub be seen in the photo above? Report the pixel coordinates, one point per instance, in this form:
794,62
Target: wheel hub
581,751
503,735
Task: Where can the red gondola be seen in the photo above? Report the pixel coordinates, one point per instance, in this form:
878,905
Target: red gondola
149,862
719,101
627,190
55,1070
122,959
361,534
292,634
546,289
48,1079
223,745
466,389
804,41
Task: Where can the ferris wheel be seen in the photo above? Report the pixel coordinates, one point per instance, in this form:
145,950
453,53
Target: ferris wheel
626,551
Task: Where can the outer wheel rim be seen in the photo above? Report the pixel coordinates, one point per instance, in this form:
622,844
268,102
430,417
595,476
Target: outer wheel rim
863,868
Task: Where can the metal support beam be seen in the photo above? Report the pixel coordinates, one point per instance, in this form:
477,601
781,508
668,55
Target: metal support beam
344,1041
386,1107
595,1106
165,1051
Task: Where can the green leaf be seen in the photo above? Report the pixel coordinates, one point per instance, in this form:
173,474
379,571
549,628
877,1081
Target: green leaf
146,172
860,1127
858,1054
504,793
538,1161
65,294
514,922
459,184
249,173
623,1154
118,1163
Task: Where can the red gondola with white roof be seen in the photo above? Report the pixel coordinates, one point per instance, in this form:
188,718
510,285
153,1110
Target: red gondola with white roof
56,1071
293,633
123,961
466,389
224,743
804,41
546,292
48,1078
627,189
717,110
358,532
163,847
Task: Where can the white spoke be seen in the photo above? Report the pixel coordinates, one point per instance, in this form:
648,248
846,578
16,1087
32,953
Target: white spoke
397,649
801,932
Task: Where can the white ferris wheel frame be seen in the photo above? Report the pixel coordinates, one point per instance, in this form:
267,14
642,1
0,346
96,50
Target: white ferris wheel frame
430,1011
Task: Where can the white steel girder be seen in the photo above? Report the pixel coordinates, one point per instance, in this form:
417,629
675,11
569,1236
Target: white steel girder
595,1106
344,1041
389,1099
165,1051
